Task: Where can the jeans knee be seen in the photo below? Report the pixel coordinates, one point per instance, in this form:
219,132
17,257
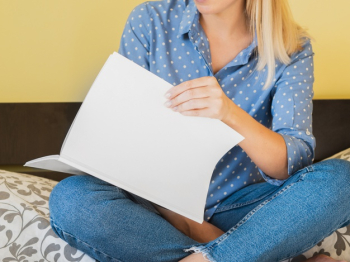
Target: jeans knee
64,189
338,169
75,194
341,164
64,194
335,174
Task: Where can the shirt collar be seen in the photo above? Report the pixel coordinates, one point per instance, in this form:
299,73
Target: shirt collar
190,21
190,16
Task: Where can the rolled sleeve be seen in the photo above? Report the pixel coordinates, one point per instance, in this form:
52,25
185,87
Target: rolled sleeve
292,112
134,43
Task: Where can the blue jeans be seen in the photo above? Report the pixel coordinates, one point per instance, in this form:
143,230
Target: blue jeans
262,222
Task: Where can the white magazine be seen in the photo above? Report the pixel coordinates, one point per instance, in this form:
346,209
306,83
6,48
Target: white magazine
124,135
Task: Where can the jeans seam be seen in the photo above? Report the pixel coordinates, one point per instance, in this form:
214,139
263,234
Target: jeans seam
250,214
310,168
225,208
86,244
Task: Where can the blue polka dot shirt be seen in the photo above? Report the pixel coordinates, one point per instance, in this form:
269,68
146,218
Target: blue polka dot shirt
166,38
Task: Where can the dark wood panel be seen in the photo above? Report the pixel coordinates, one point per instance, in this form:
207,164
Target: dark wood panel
32,130
331,127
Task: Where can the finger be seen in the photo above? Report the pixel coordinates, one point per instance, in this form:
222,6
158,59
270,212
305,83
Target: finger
192,104
193,93
201,81
205,112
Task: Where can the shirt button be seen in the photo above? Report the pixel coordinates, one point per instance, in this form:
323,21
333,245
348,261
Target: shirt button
307,132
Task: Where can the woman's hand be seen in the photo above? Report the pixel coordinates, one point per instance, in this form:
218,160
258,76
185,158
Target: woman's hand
204,97
200,97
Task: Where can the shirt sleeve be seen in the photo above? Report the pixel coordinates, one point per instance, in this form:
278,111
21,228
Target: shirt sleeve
134,43
291,110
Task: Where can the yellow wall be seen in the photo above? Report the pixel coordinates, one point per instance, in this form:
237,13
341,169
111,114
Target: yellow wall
51,51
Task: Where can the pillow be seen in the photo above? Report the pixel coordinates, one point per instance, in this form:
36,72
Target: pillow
25,231
342,155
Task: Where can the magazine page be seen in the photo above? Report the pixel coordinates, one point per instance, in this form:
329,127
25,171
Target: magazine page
53,163
125,135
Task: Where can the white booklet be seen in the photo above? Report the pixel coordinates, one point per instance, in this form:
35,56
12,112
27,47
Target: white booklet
124,135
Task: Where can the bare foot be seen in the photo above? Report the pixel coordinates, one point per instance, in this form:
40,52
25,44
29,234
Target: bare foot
195,257
323,258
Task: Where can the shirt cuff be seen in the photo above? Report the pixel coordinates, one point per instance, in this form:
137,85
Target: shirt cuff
271,180
298,154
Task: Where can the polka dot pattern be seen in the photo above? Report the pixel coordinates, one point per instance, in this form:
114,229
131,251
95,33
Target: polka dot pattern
166,38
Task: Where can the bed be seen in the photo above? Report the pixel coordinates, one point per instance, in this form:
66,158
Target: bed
29,131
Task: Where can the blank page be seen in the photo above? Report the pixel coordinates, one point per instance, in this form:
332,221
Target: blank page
125,135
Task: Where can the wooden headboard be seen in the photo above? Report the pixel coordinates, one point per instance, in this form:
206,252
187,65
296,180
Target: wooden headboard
32,130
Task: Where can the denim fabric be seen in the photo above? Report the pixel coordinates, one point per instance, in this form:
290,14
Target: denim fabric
262,222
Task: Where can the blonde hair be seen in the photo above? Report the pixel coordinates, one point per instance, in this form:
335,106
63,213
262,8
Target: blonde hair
277,33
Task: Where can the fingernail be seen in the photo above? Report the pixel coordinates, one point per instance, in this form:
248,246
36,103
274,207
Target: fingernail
167,95
168,103
175,108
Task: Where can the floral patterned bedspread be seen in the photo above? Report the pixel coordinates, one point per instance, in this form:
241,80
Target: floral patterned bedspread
25,231
26,234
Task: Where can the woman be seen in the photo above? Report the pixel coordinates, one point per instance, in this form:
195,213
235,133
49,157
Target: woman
266,200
